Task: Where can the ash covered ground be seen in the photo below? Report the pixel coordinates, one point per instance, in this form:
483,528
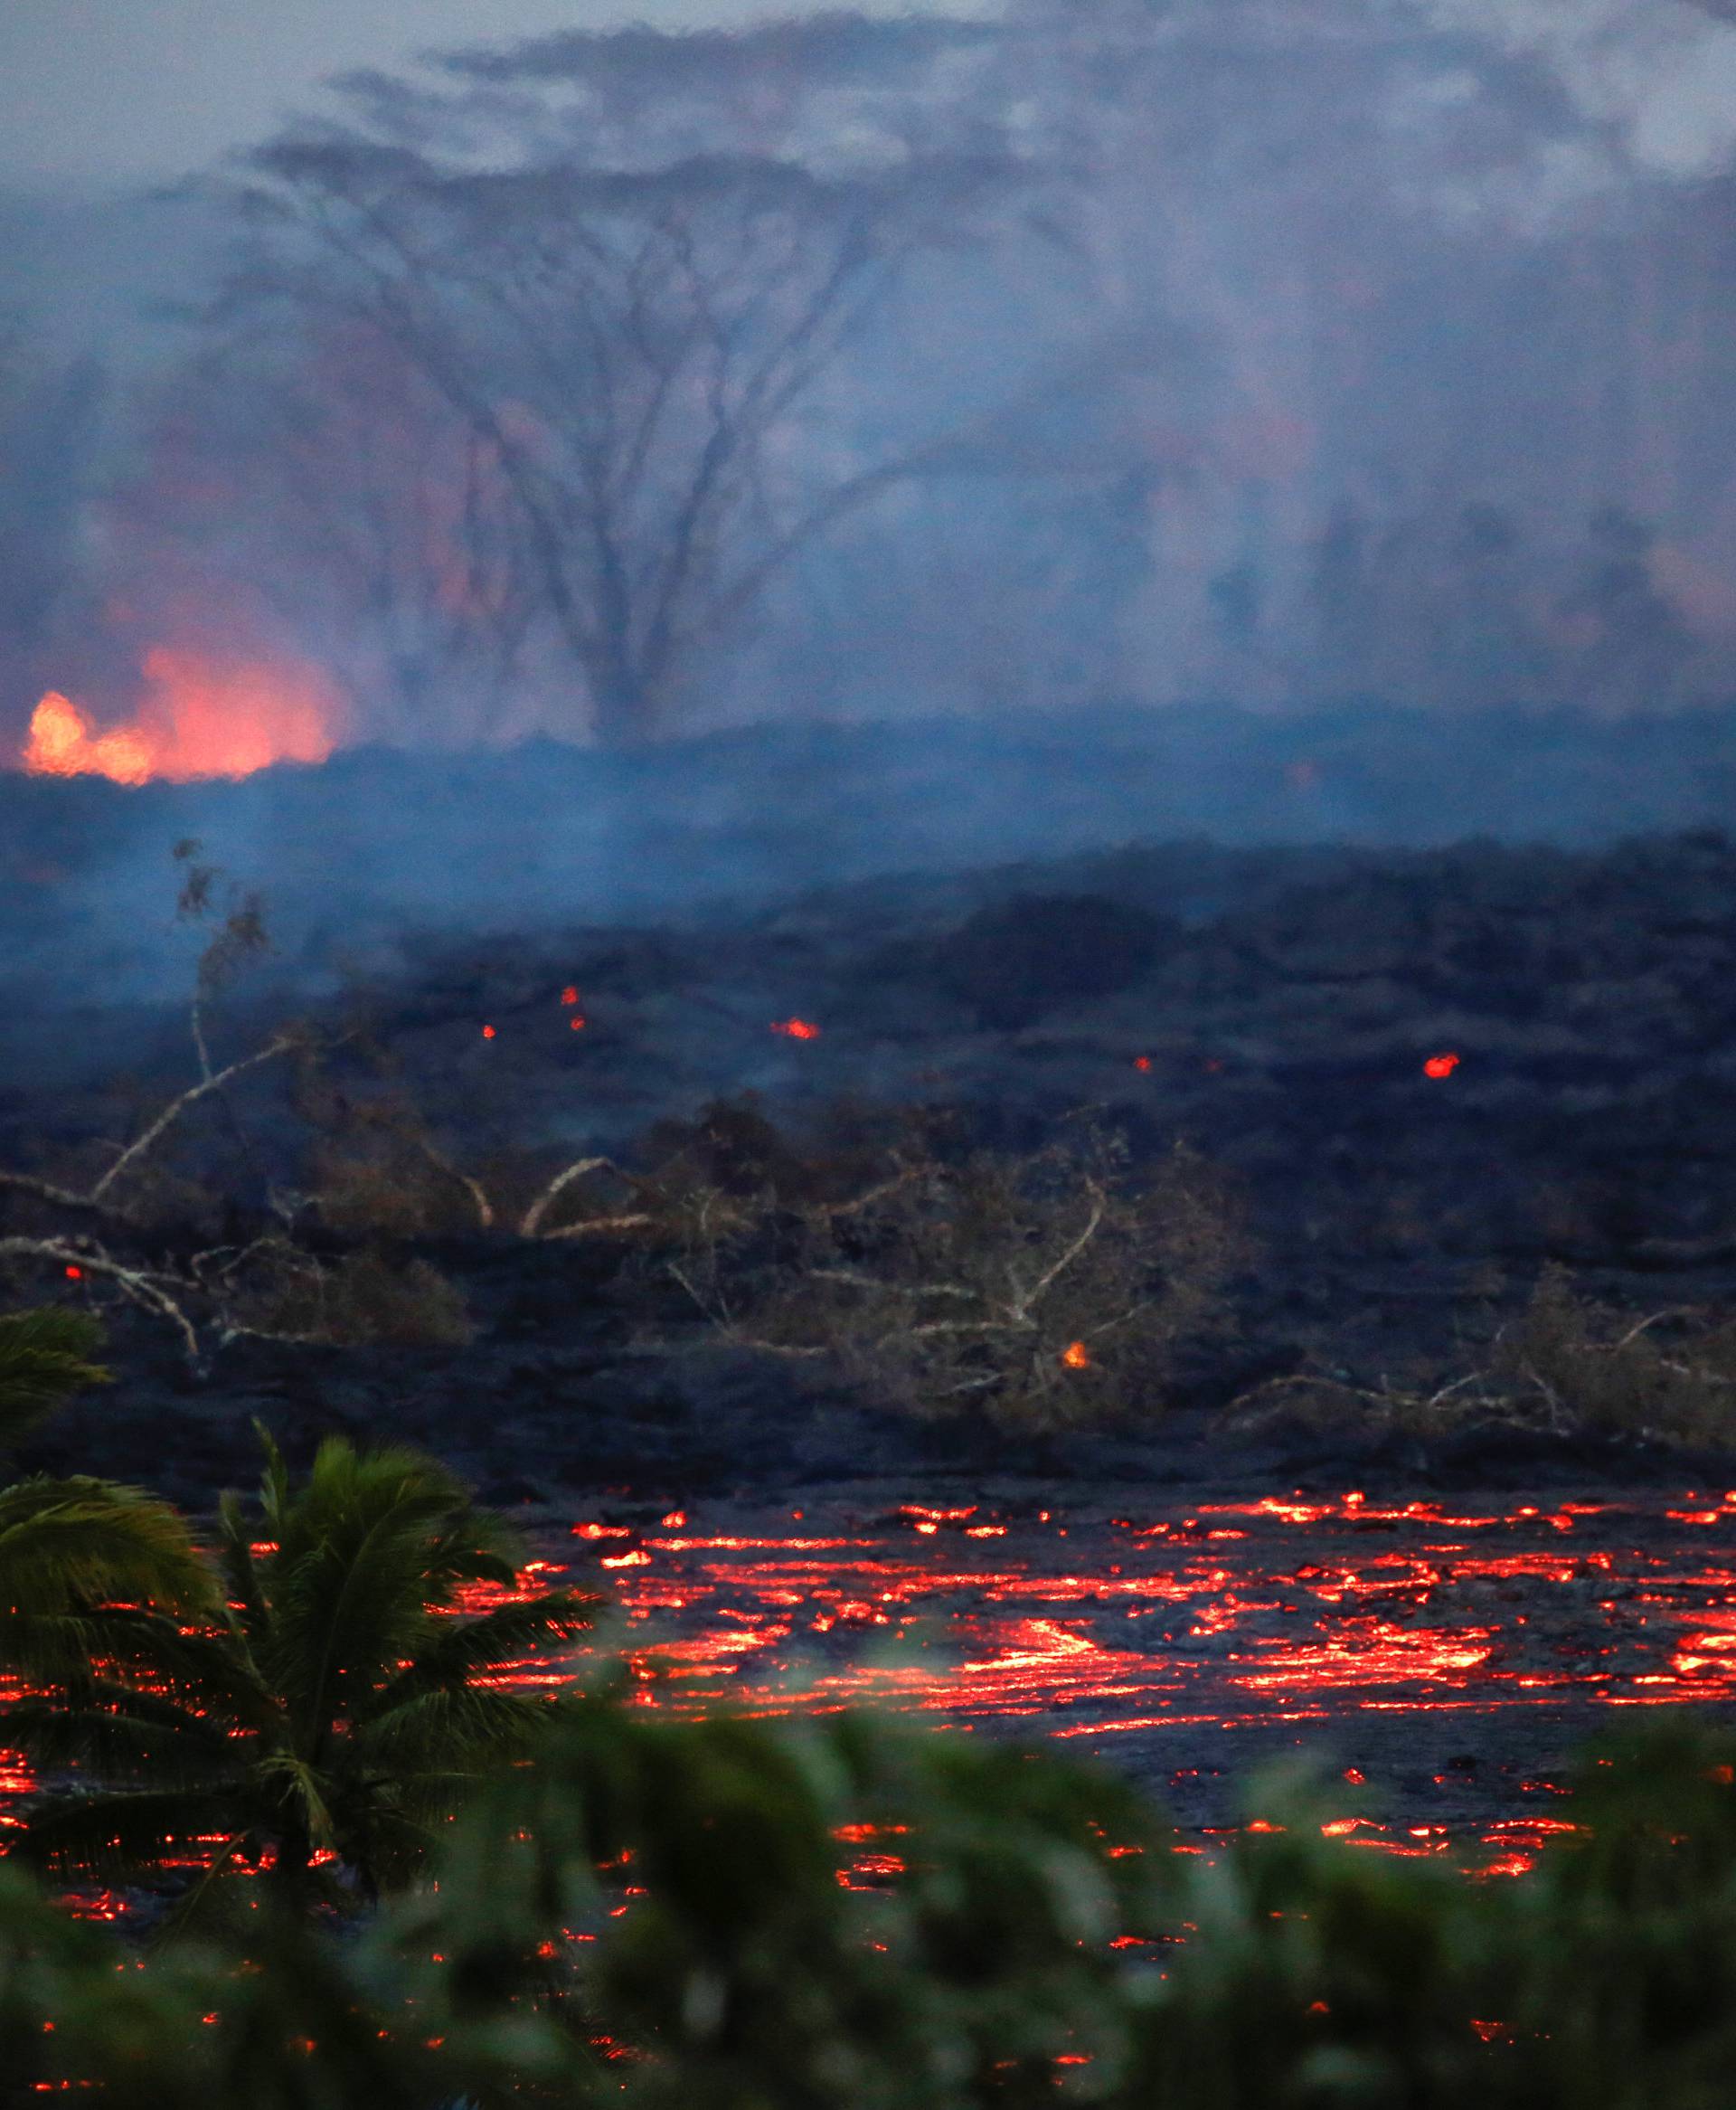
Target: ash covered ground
1287,1012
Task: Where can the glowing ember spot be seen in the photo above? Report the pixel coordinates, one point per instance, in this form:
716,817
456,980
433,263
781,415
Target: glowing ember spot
1076,1356
570,996
201,717
578,1024
74,1275
796,1028
488,1033
1142,1062
1440,1066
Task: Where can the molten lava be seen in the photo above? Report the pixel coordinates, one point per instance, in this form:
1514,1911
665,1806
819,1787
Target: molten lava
203,715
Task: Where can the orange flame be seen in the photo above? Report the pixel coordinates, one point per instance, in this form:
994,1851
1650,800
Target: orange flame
796,1028
203,717
1440,1066
1076,1356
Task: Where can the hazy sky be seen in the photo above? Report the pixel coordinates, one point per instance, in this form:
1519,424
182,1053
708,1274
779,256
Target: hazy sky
104,92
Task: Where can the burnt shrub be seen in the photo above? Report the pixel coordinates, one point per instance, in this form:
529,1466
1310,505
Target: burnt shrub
367,1297
1669,1375
1020,960
1041,1290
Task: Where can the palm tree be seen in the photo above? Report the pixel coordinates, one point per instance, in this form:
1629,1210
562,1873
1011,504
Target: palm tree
327,1715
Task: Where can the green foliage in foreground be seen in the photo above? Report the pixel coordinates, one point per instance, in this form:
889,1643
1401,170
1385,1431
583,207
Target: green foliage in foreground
743,1974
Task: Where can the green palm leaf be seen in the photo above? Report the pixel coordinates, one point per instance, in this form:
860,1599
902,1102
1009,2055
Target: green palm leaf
44,1359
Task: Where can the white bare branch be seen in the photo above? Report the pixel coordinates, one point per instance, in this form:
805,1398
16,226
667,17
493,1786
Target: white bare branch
171,1114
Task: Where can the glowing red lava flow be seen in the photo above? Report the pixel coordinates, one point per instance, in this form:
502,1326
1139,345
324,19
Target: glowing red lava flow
1472,1647
1388,1632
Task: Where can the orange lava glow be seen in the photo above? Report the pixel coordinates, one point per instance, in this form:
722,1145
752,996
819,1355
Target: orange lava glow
1409,1641
796,1028
203,715
1440,1066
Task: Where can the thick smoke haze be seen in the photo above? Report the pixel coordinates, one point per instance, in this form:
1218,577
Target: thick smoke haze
493,379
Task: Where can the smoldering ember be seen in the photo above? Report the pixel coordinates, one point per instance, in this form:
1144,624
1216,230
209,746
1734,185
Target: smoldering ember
876,869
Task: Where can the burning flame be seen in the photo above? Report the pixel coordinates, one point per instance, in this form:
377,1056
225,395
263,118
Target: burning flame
1076,1356
796,1028
1440,1066
203,717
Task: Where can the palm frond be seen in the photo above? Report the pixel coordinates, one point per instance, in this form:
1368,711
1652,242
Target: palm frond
117,1835
461,1649
196,1671
363,1569
205,1669
63,1542
455,1730
119,1743
291,1779
477,1547
44,1359
274,1482
344,1613
240,1570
